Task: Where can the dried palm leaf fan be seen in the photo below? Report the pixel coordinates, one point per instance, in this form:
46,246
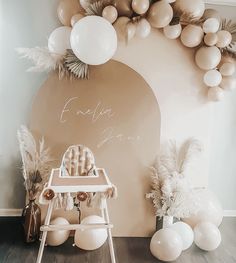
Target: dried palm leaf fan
96,7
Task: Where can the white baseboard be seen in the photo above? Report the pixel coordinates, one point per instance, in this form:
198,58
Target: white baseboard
230,213
10,212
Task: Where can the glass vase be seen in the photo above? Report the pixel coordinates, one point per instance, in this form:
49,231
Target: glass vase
31,220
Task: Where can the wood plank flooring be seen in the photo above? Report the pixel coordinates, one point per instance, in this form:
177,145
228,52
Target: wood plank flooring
128,250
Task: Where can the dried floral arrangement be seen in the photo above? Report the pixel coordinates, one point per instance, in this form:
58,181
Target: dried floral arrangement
171,193
71,51
36,161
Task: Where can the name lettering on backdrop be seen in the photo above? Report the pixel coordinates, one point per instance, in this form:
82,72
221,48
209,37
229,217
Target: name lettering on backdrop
95,113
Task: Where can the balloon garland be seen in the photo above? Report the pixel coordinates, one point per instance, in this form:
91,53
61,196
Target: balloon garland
91,28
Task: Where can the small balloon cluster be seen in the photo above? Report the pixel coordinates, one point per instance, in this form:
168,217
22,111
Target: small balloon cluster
168,243
91,28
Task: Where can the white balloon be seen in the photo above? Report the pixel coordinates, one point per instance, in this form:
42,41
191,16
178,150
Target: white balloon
143,28
56,238
91,239
207,236
59,40
186,233
212,78
93,40
166,245
211,25
210,207
172,32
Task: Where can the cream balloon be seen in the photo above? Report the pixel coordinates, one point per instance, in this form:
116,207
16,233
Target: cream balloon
56,238
212,78
215,94
194,7
90,32
91,239
228,83
207,57
224,38
166,245
210,207
110,13
143,28
121,27
210,39
59,40
160,14
140,6
192,35
66,9
227,69
211,25
75,19
185,232
211,13
131,30
172,32
207,236
85,3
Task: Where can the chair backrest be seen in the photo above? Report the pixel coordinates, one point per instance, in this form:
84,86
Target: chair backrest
78,160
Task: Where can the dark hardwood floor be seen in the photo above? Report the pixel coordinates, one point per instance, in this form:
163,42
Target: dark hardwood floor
128,250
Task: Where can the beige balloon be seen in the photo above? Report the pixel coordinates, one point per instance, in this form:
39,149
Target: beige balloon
192,35
227,69
224,38
172,32
143,28
207,58
194,7
228,83
121,28
75,19
160,14
210,39
123,7
110,13
66,9
140,6
211,13
215,94
131,30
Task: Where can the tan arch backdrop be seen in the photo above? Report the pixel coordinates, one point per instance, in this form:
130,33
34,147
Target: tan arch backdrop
116,115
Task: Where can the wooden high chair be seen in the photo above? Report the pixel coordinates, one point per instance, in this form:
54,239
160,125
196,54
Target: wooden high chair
77,174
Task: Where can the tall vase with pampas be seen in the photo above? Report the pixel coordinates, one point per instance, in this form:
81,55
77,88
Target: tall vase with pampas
35,161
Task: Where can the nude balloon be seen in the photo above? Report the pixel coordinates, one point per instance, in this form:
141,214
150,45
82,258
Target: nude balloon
66,9
140,6
172,32
110,13
215,94
131,30
207,57
121,28
211,25
143,28
227,69
211,13
192,35
194,7
224,38
210,39
160,14
228,83
75,19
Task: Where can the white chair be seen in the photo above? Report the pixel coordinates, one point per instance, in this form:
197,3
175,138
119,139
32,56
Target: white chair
77,174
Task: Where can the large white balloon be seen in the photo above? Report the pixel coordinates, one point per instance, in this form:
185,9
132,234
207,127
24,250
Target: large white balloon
166,245
212,78
91,239
59,40
210,207
56,238
93,40
207,236
211,25
186,233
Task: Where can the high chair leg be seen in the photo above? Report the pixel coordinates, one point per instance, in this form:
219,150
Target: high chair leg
44,235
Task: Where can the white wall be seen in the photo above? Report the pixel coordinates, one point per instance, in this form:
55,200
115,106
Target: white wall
28,23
